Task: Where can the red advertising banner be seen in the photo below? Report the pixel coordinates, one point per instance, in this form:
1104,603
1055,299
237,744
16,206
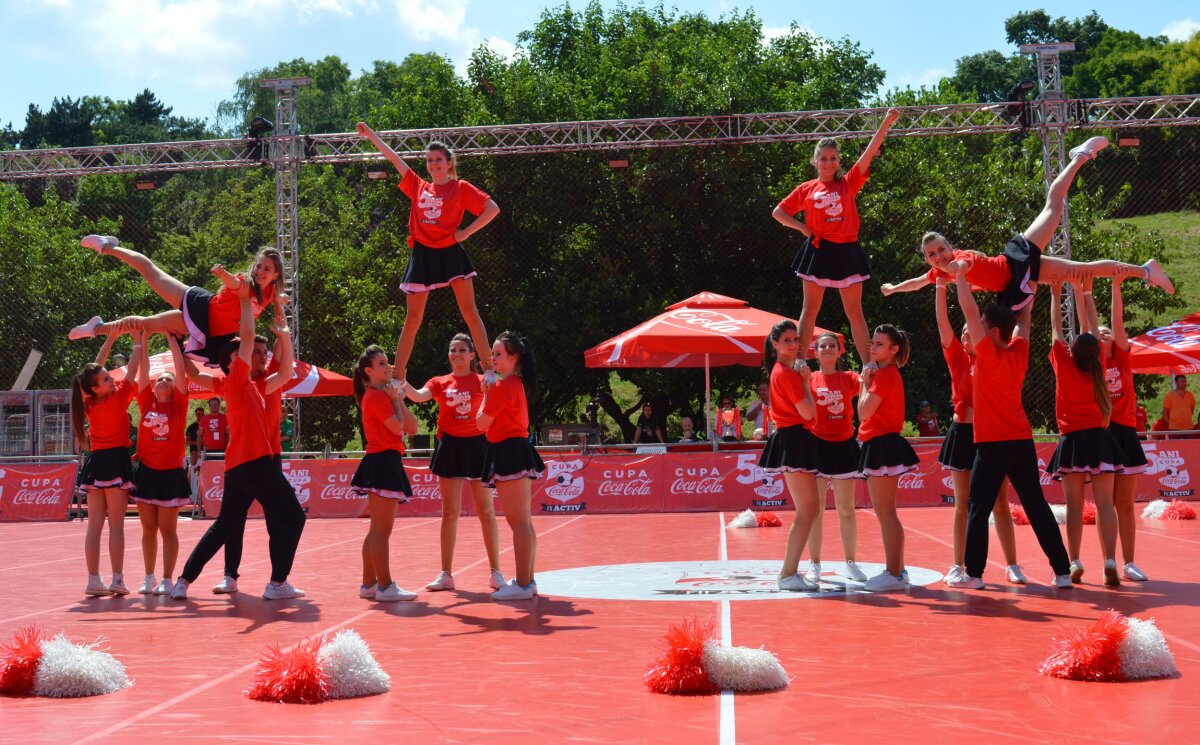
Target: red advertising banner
36,492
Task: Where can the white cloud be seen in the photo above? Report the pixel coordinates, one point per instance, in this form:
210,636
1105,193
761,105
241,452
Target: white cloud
433,19
1181,30
774,32
502,47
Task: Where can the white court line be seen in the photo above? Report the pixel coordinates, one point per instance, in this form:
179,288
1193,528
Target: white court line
728,729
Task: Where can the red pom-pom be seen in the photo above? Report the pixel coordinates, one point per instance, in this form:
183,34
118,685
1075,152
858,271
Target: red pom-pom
292,677
1018,513
1179,510
768,519
678,670
19,659
1089,512
1090,654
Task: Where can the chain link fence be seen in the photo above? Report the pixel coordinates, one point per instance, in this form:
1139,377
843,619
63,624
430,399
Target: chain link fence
583,250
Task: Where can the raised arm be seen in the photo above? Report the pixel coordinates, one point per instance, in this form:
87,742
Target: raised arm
1089,322
181,386
1024,321
490,210
246,326
966,301
1056,324
941,308
287,359
140,372
232,281
919,282
106,349
194,374
365,131
1116,320
863,165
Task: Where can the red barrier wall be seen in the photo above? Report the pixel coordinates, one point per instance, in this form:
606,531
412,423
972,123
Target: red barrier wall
36,491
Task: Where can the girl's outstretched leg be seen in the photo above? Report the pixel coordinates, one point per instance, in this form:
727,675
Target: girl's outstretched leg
415,304
464,293
168,288
813,295
852,304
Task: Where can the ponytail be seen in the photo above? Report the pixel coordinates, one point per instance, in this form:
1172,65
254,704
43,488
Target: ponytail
82,385
518,345
359,376
770,356
1085,353
899,338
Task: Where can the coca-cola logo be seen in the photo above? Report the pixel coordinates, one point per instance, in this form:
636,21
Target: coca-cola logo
340,492
215,490
769,486
948,482
710,321
426,491
911,480
706,485
1044,477
628,488
566,481
37,496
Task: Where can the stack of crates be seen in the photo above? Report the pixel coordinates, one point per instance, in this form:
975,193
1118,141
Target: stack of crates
54,435
17,423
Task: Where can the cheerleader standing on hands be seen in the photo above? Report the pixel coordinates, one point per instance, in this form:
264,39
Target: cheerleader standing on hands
458,457
791,449
510,461
380,474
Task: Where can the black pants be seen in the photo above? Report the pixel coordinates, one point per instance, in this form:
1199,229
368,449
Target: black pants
1016,459
259,479
233,544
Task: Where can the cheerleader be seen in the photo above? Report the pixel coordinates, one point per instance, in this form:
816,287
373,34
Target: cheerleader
209,321
435,239
791,449
831,255
107,474
160,480
458,457
958,447
1114,343
833,391
510,461
380,474
1086,449
885,453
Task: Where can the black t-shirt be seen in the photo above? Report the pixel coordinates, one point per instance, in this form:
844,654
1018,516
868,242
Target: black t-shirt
193,435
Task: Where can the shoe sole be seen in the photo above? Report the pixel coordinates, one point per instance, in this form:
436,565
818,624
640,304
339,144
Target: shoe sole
224,592
1111,578
1076,576
98,593
443,589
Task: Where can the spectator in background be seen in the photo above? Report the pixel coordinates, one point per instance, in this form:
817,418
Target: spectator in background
688,430
1179,405
1141,418
927,421
759,411
214,428
648,428
729,421
1160,425
193,438
286,430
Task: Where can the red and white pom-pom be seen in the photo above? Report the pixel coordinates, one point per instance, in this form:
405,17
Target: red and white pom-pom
768,520
745,519
1018,514
317,670
1060,513
1089,512
31,665
694,662
1176,509
1114,648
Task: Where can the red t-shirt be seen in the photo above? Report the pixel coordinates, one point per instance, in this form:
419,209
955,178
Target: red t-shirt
1075,405
1140,418
506,403
833,395
437,210
1119,375
787,389
962,367
459,399
214,428
108,420
927,425
161,429
830,209
999,377
274,406
225,310
248,436
889,417
984,273
376,410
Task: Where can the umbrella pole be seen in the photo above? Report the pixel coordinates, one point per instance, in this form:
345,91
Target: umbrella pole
708,402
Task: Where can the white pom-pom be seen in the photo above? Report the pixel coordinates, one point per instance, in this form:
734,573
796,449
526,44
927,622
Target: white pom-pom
745,520
351,667
742,668
1060,513
1154,510
1144,652
69,670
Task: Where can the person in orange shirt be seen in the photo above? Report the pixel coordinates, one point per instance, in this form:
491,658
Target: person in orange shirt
1179,405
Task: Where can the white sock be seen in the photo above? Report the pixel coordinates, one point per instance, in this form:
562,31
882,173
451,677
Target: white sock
118,577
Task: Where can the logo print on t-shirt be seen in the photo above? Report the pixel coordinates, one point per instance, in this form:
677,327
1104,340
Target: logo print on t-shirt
831,401
830,201
1112,376
430,205
158,423
460,401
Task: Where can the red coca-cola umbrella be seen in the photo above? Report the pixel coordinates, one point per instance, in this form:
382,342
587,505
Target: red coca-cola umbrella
706,330
1168,350
307,380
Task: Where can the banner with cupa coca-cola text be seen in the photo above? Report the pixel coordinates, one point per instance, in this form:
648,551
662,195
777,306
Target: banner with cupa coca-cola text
36,491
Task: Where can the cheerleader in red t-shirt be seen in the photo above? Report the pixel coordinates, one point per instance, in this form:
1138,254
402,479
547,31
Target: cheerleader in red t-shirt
958,447
380,474
209,321
832,257
435,239
791,450
510,460
160,479
1086,449
885,454
1114,343
458,457
833,390
107,474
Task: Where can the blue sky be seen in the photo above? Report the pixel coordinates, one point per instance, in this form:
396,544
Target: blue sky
190,52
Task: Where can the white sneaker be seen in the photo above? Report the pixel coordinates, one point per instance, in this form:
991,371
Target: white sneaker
281,591
957,571
1015,575
513,591
854,573
1076,571
1063,581
1090,147
444,581
164,587
965,581
496,580
1111,576
1157,277
367,592
813,573
885,581
179,591
227,586
489,377
99,242
148,583
96,588
1132,573
797,583
117,586
394,592
85,330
